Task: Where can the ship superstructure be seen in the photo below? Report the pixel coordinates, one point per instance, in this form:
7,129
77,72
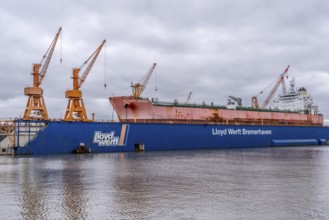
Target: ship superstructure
295,100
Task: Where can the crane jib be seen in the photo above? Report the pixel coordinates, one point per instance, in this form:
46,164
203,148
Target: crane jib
48,56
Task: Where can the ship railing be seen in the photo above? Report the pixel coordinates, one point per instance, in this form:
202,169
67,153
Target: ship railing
26,130
191,105
60,119
212,106
226,122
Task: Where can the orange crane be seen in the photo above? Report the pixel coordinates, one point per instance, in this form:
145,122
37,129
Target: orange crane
36,107
279,81
139,87
75,110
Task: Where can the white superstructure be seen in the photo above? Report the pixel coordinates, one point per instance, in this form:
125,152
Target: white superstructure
296,101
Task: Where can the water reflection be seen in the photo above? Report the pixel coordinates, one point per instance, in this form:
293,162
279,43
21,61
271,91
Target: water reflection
73,189
132,189
52,187
271,183
33,196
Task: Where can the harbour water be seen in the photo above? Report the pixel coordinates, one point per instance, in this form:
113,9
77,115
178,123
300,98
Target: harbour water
267,183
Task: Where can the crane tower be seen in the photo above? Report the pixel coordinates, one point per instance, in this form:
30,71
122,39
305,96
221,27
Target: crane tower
75,110
36,107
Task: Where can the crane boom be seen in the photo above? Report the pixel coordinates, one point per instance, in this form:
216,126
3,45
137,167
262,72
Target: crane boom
147,77
93,58
238,100
188,97
274,89
48,56
138,88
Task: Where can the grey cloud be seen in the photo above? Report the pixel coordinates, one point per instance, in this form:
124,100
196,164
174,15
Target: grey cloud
212,48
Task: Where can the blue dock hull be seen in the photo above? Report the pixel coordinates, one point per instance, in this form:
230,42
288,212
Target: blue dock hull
104,137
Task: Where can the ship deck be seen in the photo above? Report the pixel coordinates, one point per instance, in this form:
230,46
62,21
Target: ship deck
213,106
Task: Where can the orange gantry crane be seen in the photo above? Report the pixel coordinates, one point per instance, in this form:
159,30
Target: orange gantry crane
36,107
279,81
75,110
139,87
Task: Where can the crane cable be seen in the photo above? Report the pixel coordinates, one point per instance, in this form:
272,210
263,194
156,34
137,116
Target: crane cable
261,92
49,48
156,81
45,55
61,51
105,70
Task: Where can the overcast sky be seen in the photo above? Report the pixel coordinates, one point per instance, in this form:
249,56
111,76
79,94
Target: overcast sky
214,48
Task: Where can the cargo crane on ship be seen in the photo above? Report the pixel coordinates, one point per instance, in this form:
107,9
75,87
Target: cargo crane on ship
138,88
233,102
279,81
75,110
188,97
36,107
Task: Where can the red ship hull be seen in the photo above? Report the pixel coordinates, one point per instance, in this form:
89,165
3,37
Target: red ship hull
129,108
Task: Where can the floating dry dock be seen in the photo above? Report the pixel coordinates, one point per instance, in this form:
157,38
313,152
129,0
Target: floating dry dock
146,125
60,137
